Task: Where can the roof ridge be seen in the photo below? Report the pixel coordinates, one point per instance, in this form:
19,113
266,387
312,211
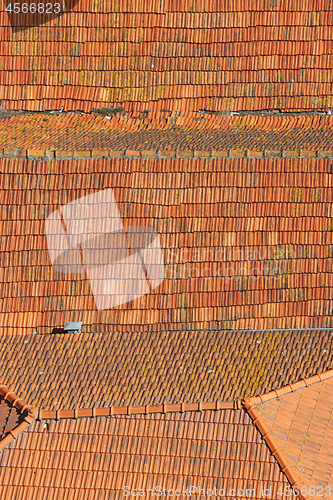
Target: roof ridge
138,410
28,411
277,451
47,154
182,136
287,389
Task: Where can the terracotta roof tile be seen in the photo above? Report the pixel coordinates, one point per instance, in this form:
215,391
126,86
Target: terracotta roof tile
65,135
279,205
15,416
297,425
197,292
190,460
48,364
306,440
269,57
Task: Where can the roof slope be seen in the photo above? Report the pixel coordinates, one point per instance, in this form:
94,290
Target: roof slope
169,134
160,54
302,422
207,449
64,371
8,417
101,456
246,243
15,416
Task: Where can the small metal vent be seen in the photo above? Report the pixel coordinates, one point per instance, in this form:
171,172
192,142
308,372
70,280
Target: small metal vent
73,327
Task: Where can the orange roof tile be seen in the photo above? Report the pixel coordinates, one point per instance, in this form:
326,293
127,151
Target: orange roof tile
300,421
172,451
168,56
245,243
191,134
15,416
208,448
166,367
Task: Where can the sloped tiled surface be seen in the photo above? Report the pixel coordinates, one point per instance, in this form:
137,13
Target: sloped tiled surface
68,133
4,414
302,423
159,55
94,370
247,244
9,418
220,449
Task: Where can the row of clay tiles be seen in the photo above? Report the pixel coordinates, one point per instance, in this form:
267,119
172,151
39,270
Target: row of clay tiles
87,100
238,6
248,404
45,155
180,407
167,119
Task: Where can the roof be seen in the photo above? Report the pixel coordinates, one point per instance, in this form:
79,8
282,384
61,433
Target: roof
9,417
237,448
99,458
68,371
247,195
236,255
160,55
225,201
15,416
302,423
169,134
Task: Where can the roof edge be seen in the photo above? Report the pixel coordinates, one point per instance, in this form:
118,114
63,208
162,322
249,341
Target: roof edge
30,414
287,389
249,405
